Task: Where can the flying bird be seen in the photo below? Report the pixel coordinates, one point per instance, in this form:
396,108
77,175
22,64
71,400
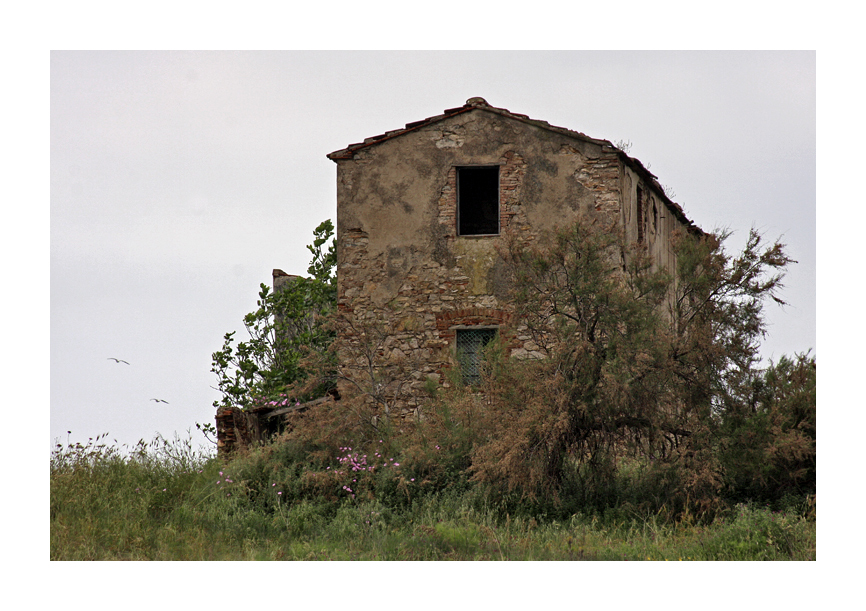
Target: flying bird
111,358
159,400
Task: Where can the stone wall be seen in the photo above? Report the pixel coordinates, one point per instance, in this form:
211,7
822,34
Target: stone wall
406,277
239,430
236,430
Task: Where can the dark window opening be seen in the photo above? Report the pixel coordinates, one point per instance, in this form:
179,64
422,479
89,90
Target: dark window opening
470,352
640,216
478,200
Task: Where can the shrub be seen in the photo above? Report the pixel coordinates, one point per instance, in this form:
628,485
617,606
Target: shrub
635,368
768,438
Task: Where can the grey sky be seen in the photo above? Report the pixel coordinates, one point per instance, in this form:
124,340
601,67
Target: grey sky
180,180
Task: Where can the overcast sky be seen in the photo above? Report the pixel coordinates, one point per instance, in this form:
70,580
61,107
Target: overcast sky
179,180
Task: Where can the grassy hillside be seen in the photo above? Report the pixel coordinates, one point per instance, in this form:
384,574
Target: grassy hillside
165,501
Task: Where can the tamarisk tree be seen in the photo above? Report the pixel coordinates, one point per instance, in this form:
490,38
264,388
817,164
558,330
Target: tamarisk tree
639,360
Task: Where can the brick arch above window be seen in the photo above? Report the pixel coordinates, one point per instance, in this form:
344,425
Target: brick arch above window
471,317
447,323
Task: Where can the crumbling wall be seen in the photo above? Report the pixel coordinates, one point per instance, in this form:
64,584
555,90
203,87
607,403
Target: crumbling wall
239,430
236,430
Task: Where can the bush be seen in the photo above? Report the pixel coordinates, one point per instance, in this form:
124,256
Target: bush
636,370
768,439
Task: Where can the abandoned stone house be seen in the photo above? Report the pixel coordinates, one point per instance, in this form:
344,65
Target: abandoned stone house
421,211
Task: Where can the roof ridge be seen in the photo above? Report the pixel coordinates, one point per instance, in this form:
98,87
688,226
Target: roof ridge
471,104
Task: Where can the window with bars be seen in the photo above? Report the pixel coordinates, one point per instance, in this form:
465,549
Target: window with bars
470,352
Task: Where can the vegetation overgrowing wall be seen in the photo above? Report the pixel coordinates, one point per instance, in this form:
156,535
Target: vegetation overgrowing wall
576,255
403,270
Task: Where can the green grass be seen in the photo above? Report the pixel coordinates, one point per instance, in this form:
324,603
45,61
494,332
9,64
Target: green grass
163,501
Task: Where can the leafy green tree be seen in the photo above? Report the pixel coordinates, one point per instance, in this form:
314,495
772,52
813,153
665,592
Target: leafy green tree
288,325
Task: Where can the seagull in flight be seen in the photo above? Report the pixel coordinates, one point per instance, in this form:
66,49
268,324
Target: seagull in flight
159,400
111,358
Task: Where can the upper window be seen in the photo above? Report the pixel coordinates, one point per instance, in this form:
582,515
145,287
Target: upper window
478,200
470,352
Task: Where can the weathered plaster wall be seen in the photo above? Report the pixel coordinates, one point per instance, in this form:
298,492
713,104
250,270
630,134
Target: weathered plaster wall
401,263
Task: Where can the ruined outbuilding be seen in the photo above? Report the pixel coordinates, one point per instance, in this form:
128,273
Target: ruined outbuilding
422,210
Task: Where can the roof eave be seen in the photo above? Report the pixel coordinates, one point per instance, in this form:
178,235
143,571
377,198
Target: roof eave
349,151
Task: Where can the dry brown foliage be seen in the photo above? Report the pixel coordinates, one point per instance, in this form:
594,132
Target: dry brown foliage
636,370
